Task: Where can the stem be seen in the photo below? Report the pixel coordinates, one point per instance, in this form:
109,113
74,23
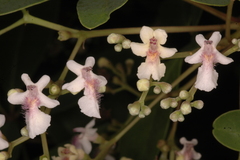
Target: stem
228,19
72,56
15,143
12,26
45,145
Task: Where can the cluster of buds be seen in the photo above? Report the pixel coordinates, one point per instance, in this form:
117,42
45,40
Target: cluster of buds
236,42
185,107
137,108
119,40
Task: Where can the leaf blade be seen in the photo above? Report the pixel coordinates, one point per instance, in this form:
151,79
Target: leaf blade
213,2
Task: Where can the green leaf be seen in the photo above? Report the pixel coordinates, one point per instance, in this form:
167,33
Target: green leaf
213,2
227,129
10,6
93,13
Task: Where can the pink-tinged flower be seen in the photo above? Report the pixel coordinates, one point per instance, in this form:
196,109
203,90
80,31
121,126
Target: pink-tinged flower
208,55
69,152
188,152
3,143
151,47
31,100
92,84
88,134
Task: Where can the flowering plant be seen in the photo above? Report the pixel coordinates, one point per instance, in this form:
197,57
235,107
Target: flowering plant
164,90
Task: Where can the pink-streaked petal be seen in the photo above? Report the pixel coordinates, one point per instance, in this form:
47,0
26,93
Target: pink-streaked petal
26,79
75,67
139,49
146,70
17,97
79,129
102,81
215,38
146,33
206,79
220,58
160,35
47,102
42,82
2,120
200,40
90,132
90,124
86,144
195,58
196,155
37,122
89,106
166,52
3,143
75,86
90,61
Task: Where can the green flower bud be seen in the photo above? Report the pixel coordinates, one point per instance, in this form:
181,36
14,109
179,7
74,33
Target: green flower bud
181,118
129,64
157,90
4,155
16,90
118,47
197,104
175,115
168,102
116,81
64,35
186,108
134,108
54,89
174,103
145,110
24,132
126,44
104,62
143,85
184,94
141,115
102,89
165,87
114,38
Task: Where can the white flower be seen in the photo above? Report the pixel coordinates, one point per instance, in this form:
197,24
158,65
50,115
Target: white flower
92,84
69,152
3,143
188,152
208,55
31,100
88,134
151,47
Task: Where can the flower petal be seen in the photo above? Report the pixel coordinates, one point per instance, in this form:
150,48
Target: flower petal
75,67
90,61
90,124
2,120
89,106
146,33
42,82
3,143
86,144
200,39
17,97
220,58
206,79
47,102
79,129
160,35
26,79
139,49
195,58
75,86
37,122
166,52
215,38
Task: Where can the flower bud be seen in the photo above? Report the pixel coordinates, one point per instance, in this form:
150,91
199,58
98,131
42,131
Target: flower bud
104,62
168,102
114,38
145,110
174,103
118,47
102,89
165,87
186,108
4,155
134,108
116,81
64,35
197,104
129,64
234,41
16,90
143,85
54,89
141,115
126,44
24,132
157,90
181,118
174,116
184,94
